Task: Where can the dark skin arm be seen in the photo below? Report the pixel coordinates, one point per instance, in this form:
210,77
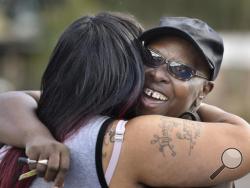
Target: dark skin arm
210,113
19,122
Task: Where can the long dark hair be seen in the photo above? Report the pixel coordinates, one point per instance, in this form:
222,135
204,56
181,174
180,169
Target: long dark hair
95,68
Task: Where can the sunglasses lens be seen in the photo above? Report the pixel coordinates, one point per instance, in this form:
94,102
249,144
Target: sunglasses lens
155,60
180,71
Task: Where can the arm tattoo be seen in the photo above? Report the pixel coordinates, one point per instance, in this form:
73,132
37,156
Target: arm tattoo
112,135
190,132
108,138
165,139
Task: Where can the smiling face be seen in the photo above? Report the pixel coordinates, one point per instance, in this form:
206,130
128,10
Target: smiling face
166,95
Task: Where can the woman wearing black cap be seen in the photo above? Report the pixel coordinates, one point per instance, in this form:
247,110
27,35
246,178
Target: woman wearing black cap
187,55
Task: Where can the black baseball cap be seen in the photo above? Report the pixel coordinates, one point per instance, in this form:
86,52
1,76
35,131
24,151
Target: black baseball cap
202,36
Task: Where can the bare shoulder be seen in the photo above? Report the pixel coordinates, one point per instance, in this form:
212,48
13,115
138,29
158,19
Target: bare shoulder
159,151
156,146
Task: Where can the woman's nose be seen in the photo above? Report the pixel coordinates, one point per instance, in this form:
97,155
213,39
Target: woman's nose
159,74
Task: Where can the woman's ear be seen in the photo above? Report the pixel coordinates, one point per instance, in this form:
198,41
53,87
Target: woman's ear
205,90
208,87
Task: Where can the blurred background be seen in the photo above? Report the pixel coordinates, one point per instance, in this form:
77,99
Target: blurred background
29,30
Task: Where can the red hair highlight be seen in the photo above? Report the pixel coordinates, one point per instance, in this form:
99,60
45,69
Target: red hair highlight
11,170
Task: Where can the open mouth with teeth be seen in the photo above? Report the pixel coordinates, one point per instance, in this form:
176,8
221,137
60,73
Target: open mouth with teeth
155,95
152,102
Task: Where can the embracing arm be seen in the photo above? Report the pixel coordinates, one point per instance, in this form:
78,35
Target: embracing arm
34,94
20,127
173,152
18,121
210,113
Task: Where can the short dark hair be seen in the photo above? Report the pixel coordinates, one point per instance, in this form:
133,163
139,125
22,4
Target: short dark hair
95,68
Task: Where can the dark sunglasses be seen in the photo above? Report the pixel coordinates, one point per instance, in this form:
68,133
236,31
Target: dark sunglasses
176,69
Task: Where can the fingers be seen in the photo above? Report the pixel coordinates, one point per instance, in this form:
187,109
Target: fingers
53,167
58,157
41,168
34,156
64,166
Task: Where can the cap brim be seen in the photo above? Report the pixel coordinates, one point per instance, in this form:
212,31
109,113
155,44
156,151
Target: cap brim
157,32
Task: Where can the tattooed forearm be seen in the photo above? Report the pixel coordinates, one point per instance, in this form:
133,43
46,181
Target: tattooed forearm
164,140
189,131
